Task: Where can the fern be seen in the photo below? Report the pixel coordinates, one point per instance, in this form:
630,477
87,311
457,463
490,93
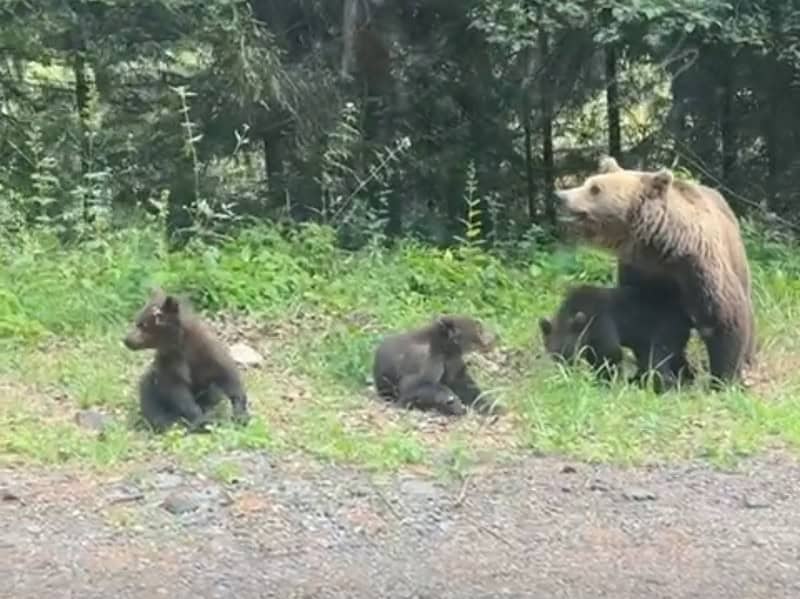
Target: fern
472,223
337,160
206,213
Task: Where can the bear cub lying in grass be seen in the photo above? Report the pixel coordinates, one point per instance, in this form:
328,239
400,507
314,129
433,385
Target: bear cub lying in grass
595,323
424,368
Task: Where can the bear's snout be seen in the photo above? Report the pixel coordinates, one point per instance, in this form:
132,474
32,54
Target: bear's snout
570,202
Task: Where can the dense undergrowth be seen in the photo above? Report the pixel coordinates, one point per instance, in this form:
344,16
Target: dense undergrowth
316,312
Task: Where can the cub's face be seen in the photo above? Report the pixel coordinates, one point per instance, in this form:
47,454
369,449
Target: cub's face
598,210
156,326
564,337
466,333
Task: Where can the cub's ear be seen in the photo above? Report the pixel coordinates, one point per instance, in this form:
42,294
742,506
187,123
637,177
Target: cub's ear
578,321
445,325
546,327
170,305
608,164
657,184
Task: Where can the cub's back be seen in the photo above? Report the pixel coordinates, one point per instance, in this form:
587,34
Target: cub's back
396,355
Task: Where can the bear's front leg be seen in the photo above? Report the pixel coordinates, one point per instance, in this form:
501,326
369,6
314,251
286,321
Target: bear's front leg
726,348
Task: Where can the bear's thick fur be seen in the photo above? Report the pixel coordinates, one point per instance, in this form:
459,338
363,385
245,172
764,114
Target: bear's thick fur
677,239
595,323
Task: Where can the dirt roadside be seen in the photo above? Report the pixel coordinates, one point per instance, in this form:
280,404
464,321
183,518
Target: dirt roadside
535,527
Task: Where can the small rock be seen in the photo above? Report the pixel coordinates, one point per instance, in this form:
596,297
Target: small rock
8,495
598,485
568,469
93,420
245,355
420,488
753,503
566,490
180,503
639,494
124,494
167,480
216,496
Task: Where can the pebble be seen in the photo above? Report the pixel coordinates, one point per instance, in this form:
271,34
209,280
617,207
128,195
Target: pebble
8,495
754,503
93,420
420,488
639,494
181,503
245,355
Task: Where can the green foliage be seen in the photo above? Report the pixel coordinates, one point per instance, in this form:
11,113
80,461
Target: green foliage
323,310
233,109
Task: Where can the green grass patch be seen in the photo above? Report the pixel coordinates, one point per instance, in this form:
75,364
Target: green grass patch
320,311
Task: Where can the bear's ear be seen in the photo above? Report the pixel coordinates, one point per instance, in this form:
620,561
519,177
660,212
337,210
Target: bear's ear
545,326
658,183
608,164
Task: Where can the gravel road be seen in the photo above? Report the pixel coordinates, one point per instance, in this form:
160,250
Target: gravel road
534,527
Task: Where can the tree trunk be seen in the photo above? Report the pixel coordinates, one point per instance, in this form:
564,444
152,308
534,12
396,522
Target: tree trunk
773,141
349,25
82,108
547,135
182,197
777,88
82,104
530,185
273,144
727,123
612,104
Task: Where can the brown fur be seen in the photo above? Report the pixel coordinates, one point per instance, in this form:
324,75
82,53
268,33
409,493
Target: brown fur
424,368
676,231
191,370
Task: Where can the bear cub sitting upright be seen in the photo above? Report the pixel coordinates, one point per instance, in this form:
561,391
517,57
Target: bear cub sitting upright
595,323
192,370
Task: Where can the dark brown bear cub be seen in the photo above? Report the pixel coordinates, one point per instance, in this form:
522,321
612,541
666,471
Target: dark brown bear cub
191,371
424,368
595,323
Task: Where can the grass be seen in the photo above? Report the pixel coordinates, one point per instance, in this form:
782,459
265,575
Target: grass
315,313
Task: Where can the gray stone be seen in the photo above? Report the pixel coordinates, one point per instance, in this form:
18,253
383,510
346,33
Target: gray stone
93,420
245,355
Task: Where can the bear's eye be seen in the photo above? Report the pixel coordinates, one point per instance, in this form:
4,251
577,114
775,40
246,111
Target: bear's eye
594,189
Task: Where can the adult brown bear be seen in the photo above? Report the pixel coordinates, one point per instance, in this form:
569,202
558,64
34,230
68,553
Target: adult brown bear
677,238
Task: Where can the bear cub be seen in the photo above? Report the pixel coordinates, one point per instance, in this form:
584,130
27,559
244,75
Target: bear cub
595,323
191,371
424,368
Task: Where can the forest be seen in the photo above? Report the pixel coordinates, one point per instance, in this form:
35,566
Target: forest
313,175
